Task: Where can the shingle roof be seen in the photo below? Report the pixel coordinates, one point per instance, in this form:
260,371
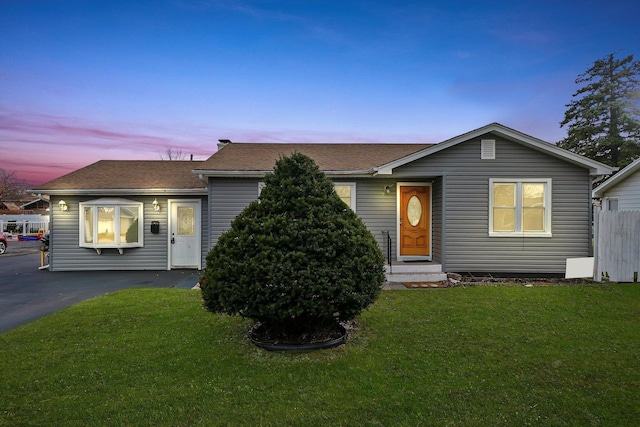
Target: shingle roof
129,174
12,206
329,157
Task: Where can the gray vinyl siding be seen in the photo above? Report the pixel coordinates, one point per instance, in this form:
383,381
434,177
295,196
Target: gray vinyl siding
227,198
627,192
66,255
205,230
377,209
465,223
436,220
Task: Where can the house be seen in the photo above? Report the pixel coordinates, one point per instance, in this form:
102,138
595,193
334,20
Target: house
25,215
128,215
617,226
621,191
36,204
26,204
490,200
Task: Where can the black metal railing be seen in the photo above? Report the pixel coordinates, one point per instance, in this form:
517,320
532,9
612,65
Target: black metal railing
388,249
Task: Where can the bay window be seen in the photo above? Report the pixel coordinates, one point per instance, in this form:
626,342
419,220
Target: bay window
111,223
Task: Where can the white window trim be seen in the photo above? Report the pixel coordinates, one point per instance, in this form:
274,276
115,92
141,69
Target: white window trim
518,219
116,204
261,185
609,200
353,192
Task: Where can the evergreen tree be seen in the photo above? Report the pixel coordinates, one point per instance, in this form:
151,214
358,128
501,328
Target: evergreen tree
603,121
297,259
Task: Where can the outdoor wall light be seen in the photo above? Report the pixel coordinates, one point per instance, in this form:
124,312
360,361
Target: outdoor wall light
387,188
156,205
63,206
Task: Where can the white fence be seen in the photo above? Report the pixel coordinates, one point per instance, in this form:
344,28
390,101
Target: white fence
23,224
618,246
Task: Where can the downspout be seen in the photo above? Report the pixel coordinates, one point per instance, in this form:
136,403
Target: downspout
594,212
592,234
443,224
597,207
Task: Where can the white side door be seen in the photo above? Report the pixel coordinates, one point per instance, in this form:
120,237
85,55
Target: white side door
184,234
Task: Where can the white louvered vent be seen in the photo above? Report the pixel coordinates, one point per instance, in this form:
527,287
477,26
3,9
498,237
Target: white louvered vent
488,149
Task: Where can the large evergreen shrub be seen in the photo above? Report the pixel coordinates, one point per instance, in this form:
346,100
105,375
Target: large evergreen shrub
297,259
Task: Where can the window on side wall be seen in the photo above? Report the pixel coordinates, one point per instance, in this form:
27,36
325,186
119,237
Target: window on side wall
346,191
111,223
520,207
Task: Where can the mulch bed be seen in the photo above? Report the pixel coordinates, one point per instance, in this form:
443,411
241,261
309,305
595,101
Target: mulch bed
469,280
262,334
521,281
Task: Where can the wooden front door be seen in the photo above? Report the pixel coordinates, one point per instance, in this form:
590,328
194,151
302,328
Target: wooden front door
415,221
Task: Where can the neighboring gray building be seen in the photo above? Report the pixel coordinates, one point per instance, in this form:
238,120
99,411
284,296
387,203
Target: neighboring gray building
492,200
617,226
621,192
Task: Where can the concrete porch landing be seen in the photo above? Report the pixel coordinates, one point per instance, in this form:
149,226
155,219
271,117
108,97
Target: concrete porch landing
414,271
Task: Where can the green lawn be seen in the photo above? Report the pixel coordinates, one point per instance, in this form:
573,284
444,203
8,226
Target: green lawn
485,356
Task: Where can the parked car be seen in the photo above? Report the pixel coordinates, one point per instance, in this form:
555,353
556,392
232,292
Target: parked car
3,243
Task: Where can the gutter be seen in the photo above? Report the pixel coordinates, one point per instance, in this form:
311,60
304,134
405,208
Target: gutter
262,173
101,191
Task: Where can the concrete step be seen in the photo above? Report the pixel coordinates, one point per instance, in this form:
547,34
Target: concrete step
415,277
414,267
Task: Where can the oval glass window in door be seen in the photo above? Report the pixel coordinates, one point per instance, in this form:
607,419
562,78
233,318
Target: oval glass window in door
414,211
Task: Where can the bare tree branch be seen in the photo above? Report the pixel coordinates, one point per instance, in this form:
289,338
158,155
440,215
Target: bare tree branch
11,187
173,154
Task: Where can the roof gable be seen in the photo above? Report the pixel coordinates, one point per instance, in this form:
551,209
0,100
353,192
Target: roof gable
596,168
256,159
617,178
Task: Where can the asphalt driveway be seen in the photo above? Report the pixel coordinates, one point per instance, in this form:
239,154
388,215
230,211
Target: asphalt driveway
27,293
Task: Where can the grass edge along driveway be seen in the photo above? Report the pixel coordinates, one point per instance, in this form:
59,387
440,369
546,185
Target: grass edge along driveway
487,355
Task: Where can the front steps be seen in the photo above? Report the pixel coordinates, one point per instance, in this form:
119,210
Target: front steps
414,272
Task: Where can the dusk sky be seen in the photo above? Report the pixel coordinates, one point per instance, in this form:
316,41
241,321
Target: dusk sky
85,80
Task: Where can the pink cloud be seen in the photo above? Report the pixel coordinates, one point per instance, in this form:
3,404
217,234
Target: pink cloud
41,147
72,129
